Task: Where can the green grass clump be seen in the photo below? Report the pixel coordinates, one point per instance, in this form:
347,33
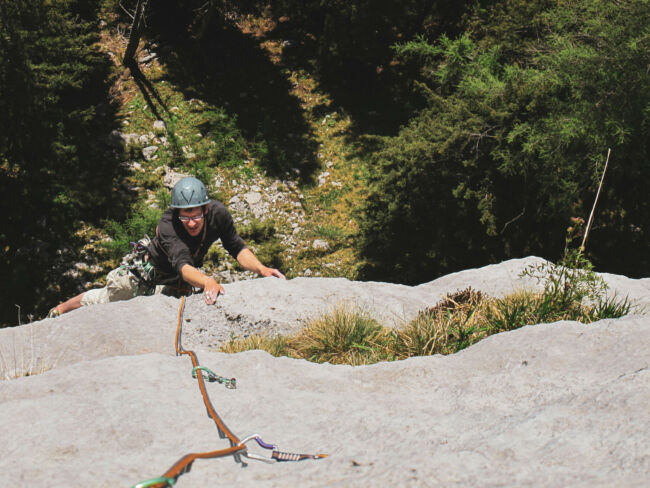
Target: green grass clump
343,336
572,291
271,253
258,230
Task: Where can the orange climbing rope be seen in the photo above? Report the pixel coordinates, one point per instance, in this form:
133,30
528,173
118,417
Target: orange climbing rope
237,446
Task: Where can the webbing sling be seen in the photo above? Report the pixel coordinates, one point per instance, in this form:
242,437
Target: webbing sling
237,446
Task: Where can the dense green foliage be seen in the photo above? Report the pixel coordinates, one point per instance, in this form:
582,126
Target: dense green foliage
143,221
356,35
52,110
348,43
500,114
513,143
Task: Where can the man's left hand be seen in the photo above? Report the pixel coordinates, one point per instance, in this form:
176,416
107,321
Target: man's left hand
272,272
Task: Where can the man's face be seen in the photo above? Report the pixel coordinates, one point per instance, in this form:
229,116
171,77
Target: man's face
194,225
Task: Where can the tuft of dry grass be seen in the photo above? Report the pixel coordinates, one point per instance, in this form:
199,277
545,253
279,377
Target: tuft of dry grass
346,335
274,345
343,336
21,359
451,325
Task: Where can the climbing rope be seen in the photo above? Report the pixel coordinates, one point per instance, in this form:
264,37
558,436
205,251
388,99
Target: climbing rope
237,446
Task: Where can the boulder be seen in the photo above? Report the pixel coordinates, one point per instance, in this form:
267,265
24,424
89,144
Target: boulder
149,152
253,198
172,177
320,245
562,404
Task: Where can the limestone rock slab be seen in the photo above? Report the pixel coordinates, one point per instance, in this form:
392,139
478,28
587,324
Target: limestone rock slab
561,404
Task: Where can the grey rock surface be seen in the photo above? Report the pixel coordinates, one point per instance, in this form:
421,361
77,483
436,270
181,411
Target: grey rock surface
320,245
172,177
561,404
282,307
253,197
552,405
159,127
265,305
138,326
149,152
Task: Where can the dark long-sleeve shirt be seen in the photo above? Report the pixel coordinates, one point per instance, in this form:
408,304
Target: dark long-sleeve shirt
173,247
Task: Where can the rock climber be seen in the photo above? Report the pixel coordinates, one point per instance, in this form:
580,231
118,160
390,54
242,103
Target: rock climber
170,262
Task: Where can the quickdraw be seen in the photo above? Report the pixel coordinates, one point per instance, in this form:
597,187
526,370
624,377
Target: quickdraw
210,376
237,446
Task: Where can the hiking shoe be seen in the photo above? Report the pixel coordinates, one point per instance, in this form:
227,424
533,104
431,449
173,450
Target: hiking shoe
53,313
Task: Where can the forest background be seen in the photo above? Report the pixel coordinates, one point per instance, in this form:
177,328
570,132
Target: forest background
463,133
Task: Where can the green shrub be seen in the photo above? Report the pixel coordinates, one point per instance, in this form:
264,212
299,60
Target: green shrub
271,253
142,221
328,198
163,198
133,149
331,232
54,173
258,230
260,235
512,142
216,253
572,290
569,282
229,148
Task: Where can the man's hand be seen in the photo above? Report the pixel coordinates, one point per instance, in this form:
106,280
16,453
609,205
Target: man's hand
211,291
249,261
271,272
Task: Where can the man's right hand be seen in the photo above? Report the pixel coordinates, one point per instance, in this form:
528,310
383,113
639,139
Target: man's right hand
211,291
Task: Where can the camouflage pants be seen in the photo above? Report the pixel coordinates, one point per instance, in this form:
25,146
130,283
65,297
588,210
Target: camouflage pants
121,284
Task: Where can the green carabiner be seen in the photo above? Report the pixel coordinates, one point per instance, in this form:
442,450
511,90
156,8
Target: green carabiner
155,481
211,376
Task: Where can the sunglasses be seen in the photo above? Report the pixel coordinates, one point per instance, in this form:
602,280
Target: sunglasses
196,218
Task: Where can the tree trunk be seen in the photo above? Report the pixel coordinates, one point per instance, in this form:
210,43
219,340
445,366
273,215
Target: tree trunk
134,35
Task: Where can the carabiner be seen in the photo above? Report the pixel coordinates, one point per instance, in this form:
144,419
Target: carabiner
156,481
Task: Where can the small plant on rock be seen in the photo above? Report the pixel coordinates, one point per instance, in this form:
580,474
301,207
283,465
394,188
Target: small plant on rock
572,289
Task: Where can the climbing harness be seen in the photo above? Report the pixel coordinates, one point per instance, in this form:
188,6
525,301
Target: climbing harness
237,447
138,265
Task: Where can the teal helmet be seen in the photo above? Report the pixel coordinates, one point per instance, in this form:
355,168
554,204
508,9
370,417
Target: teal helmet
188,193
